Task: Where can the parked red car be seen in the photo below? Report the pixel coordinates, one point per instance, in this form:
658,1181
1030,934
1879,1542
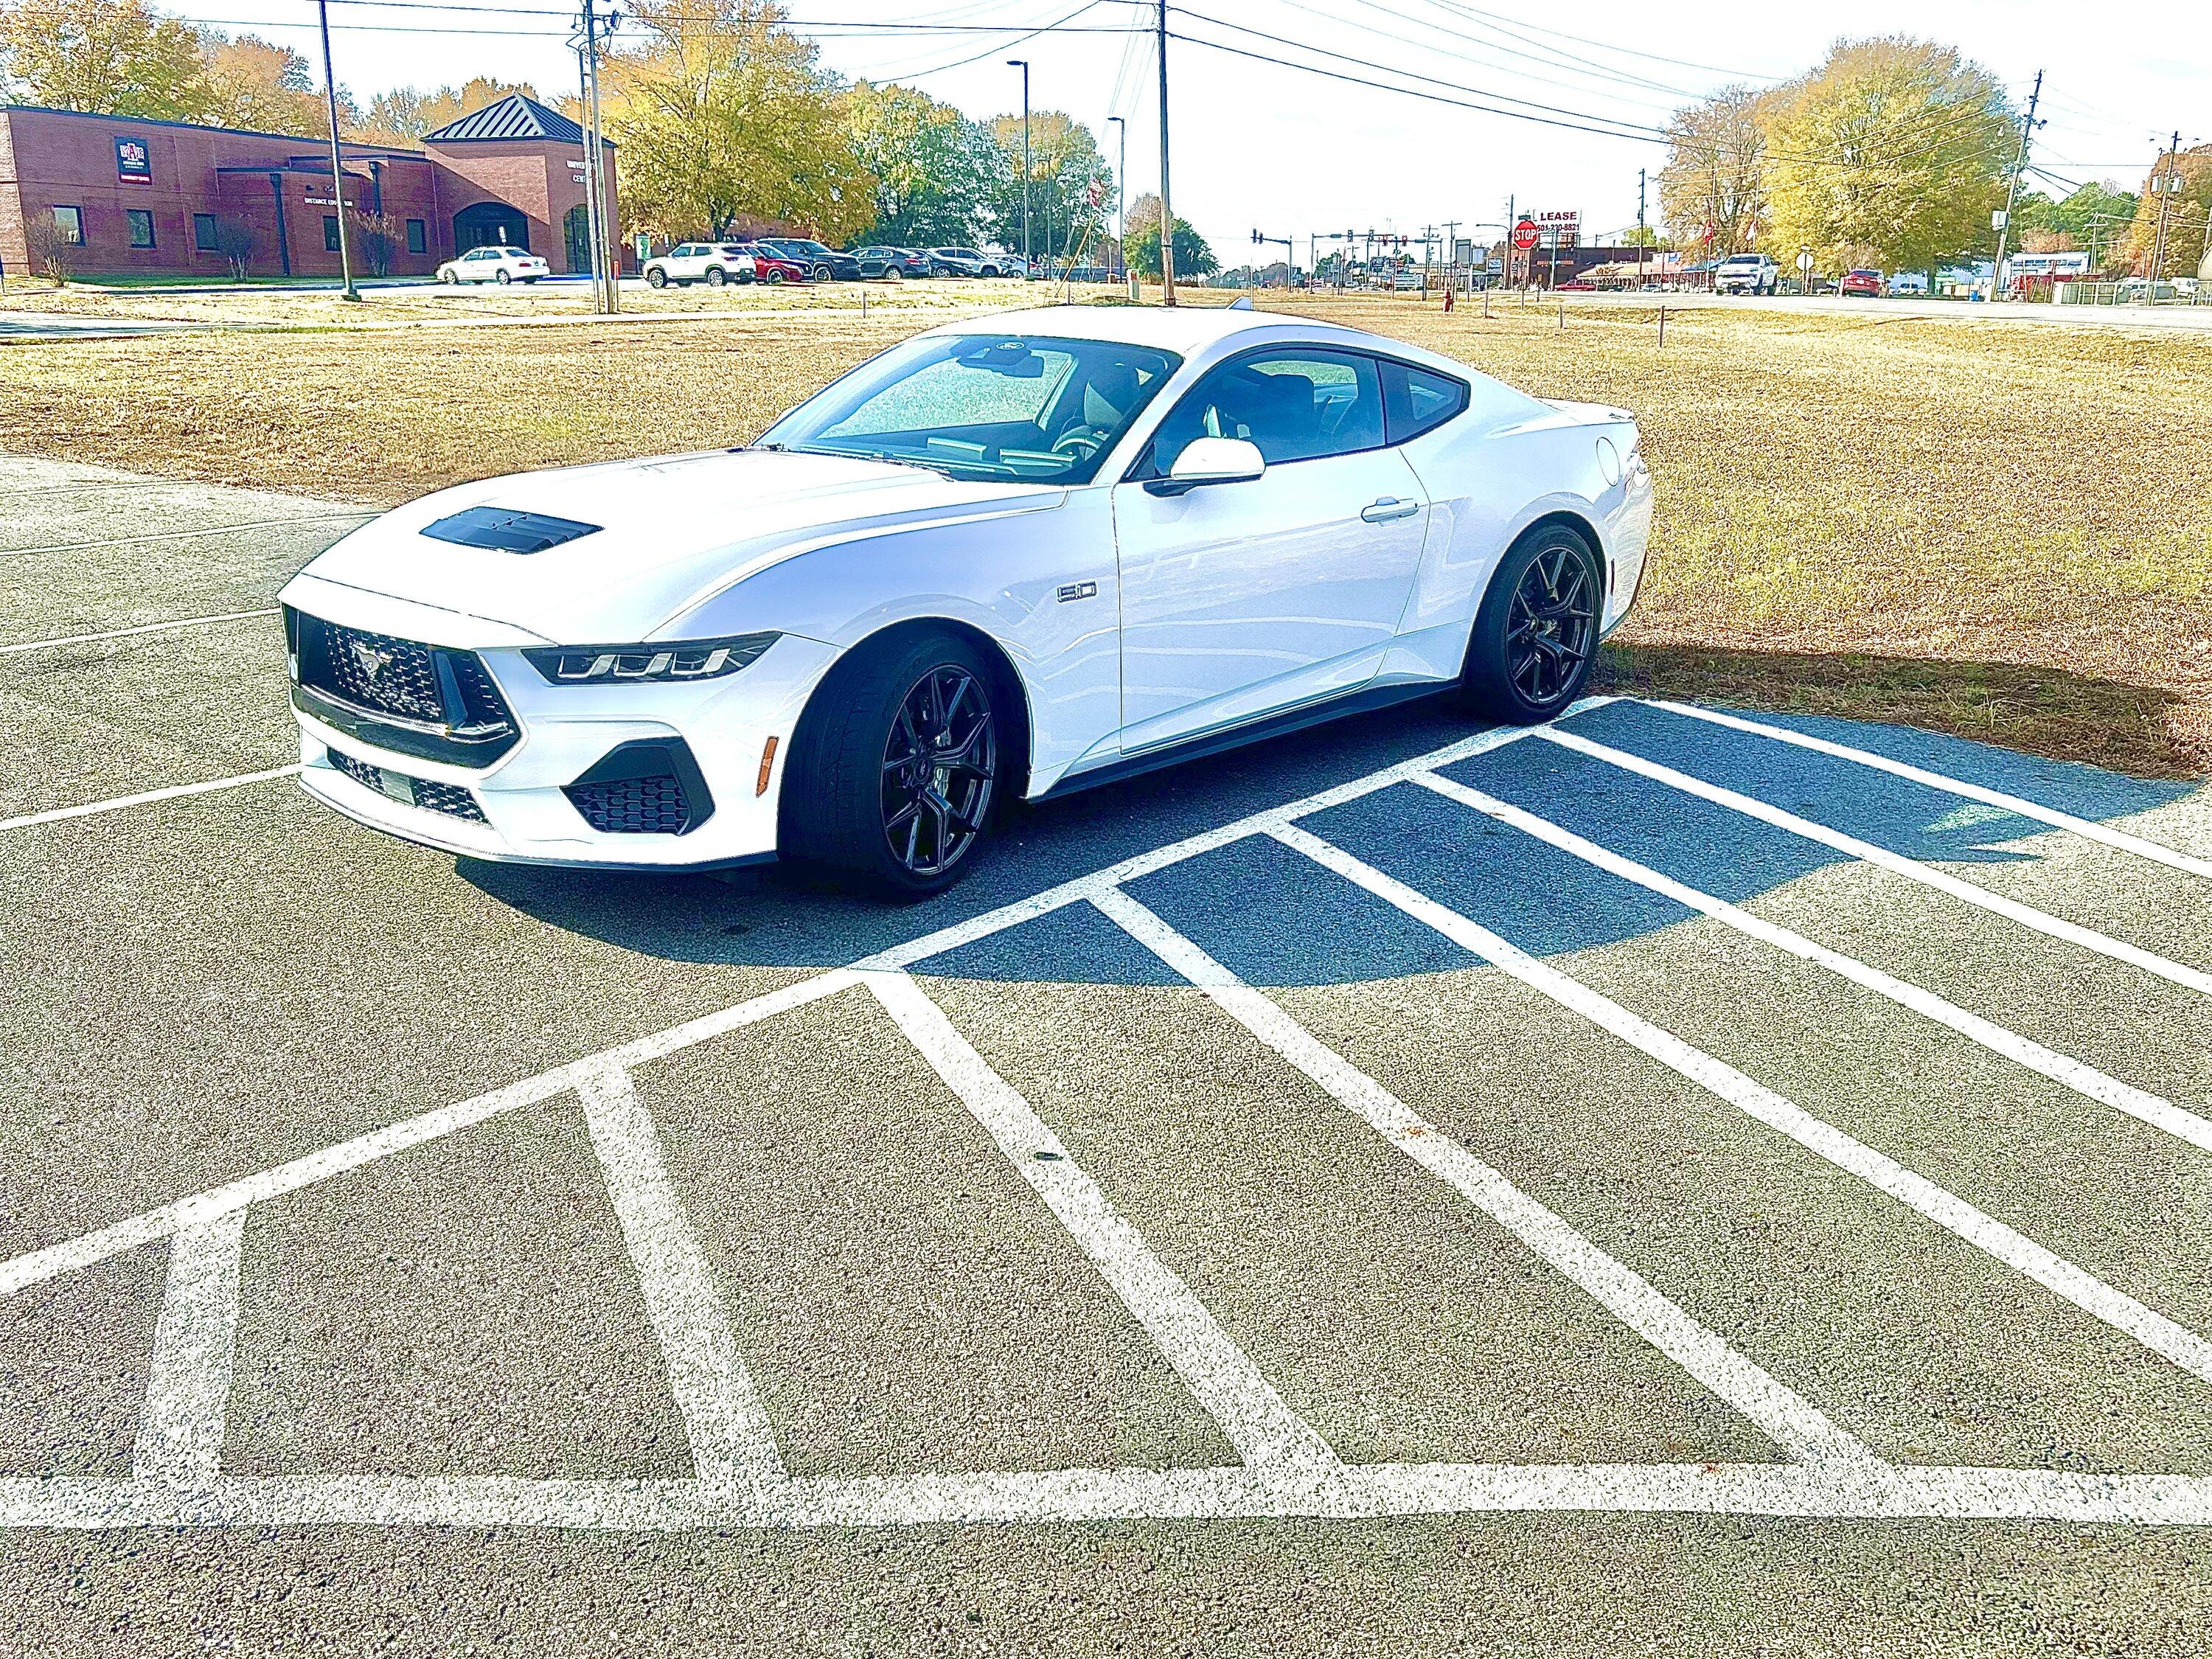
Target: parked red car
1577,286
1866,284
770,267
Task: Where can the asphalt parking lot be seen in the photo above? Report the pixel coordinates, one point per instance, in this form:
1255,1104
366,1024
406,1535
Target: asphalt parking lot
1667,1183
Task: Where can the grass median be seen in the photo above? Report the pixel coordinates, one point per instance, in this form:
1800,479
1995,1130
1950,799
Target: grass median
2001,531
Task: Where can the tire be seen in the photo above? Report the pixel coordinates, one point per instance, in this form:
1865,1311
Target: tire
656,278
1519,670
716,276
820,274
848,806
503,278
890,273
774,277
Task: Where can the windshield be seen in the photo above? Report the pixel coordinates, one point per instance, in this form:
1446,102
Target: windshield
979,406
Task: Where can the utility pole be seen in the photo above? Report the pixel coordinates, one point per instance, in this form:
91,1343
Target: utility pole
2027,126
2165,185
595,259
1451,252
1167,213
1512,254
1022,64
607,255
1641,234
337,166
1121,200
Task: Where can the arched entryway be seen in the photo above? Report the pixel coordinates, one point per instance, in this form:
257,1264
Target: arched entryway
490,224
576,229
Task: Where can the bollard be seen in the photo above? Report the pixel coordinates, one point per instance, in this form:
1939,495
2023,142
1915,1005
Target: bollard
1662,327
1563,316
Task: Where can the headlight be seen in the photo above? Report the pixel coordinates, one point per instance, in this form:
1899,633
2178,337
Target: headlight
659,664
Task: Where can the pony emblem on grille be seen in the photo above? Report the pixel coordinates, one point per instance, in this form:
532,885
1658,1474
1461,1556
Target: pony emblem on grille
373,660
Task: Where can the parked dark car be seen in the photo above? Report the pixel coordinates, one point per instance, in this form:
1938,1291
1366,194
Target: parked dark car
893,262
771,264
974,262
823,262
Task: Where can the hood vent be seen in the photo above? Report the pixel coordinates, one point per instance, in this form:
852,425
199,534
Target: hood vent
508,531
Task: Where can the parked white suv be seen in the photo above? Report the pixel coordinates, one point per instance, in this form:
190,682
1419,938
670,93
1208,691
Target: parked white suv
711,262
495,264
1746,273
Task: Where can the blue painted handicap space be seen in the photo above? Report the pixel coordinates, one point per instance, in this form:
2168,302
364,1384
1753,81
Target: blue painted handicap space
1273,917
1893,812
2085,792
1527,892
1695,841
1075,944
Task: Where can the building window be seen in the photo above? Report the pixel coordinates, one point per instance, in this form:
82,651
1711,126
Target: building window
418,237
69,225
330,233
141,226
203,232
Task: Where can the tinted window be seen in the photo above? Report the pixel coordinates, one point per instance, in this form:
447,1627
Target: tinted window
69,225
418,236
1418,399
141,226
1042,410
1296,405
203,232
330,233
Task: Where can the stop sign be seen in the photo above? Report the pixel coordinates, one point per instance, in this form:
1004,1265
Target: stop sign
1525,235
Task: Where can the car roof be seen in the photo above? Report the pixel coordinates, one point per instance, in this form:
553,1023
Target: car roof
1184,329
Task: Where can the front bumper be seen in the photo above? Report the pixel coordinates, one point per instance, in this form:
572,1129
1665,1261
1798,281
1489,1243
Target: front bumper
527,817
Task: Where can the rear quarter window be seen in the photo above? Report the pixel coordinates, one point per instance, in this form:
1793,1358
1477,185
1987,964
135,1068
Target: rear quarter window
1417,400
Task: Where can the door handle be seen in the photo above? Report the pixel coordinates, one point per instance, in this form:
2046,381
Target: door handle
1388,509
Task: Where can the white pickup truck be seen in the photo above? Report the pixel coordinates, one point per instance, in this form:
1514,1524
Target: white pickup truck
1746,273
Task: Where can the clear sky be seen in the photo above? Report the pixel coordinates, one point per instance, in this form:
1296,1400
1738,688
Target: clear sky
1260,146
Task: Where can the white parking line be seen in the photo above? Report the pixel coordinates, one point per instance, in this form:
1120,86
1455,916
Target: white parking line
1927,875
1802,1429
1272,1440
192,535
2162,1336
732,1445
176,792
2087,827
2063,1069
188,1383
132,633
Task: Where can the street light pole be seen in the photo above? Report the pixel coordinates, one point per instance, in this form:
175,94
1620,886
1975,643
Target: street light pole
338,165
1121,200
1022,64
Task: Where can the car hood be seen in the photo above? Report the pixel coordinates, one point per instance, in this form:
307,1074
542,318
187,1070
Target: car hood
670,533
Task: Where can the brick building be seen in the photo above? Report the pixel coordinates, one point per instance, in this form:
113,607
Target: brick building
162,197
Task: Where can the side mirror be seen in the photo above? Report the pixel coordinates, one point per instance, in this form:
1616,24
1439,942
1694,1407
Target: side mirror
1211,461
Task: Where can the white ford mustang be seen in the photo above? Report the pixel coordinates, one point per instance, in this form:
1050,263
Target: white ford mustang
1012,557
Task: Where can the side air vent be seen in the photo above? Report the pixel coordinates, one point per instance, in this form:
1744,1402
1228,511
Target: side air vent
647,786
506,531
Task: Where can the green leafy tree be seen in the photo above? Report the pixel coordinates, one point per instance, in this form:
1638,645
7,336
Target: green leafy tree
265,88
1894,152
1192,257
931,169
103,57
723,115
1071,186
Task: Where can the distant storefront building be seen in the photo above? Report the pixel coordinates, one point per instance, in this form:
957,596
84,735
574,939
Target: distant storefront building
127,197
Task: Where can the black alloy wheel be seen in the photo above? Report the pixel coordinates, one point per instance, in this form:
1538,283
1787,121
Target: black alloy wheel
940,772
1537,636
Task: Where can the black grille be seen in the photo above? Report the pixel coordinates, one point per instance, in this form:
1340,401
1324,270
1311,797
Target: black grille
374,671
634,806
453,800
367,684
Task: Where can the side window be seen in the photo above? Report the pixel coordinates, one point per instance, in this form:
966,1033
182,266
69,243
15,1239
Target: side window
1297,405
1417,399
418,236
203,236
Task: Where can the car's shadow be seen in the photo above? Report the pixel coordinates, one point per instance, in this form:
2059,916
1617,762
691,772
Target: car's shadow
1279,918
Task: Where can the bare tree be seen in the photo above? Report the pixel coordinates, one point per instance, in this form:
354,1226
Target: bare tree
1714,176
377,238
51,251
238,242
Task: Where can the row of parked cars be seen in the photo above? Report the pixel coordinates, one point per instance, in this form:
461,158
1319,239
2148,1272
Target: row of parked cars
795,259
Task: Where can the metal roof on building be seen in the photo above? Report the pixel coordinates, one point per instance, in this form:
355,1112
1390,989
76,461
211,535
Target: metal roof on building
513,117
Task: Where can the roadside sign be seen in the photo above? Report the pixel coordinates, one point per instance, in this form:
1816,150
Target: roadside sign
1494,266
1525,235
1805,258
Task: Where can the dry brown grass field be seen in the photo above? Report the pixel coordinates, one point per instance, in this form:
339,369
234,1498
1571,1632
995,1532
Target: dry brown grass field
2000,530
